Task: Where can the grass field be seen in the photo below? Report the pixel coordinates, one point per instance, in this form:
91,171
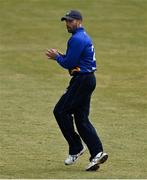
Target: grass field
31,144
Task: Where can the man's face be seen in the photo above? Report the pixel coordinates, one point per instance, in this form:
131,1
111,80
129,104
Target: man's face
72,25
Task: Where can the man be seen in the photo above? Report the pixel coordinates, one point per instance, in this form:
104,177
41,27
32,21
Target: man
73,106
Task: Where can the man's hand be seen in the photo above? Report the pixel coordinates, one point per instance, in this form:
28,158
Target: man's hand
52,53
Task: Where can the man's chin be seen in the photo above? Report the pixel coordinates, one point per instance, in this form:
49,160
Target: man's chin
69,30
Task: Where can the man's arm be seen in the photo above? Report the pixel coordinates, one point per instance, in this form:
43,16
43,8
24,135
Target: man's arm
72,56
73,53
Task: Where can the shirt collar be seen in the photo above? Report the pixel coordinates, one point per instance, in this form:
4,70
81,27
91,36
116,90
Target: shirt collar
78,29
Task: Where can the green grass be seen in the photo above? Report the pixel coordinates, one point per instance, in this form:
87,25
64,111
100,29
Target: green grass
30,85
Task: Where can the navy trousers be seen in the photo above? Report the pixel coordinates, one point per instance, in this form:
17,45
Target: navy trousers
73,108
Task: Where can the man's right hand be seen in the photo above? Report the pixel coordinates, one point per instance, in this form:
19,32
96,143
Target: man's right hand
52,53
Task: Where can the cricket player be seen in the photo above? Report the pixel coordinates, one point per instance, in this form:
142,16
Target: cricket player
73,107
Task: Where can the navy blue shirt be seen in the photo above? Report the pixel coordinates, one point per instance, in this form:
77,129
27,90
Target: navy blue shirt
80,53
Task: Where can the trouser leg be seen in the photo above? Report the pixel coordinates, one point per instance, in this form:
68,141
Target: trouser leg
63,113
86,129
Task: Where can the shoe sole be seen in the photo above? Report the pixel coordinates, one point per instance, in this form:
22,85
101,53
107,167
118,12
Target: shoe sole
93,168
104,159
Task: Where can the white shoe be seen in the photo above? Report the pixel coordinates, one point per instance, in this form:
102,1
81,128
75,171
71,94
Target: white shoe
96,161
71,159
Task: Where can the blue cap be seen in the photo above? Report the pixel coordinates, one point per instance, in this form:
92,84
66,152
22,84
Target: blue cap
71,15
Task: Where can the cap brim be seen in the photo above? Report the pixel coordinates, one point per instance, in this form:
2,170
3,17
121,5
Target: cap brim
64,18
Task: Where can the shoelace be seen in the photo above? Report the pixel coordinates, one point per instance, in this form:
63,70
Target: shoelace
96,158
73,157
